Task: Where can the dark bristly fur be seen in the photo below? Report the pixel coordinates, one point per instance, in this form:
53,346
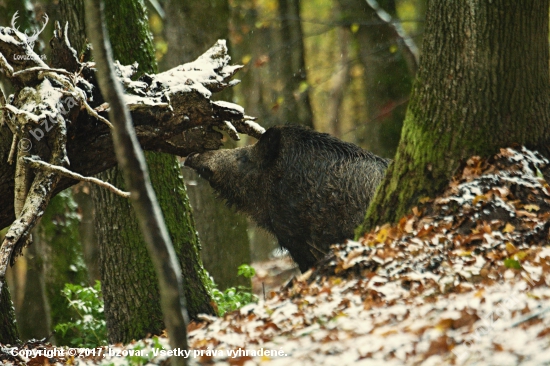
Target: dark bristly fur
307,188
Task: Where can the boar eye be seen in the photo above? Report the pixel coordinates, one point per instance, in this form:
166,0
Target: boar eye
243,159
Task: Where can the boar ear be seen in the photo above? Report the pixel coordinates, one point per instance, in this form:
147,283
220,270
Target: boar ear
269,144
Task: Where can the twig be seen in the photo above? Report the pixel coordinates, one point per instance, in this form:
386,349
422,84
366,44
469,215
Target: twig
96,115
39,164
12,149
5,65
33,117
44,69
530,316
2,103
82,97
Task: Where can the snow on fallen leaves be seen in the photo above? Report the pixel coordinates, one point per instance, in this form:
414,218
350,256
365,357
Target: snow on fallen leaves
464,279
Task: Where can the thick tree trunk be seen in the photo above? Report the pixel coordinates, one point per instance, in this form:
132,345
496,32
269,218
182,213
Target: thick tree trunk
128,280
131,311
482,84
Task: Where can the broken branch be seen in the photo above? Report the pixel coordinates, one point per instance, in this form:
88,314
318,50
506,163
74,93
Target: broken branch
39,164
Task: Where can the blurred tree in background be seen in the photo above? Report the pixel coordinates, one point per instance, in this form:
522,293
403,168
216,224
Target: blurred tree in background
222,232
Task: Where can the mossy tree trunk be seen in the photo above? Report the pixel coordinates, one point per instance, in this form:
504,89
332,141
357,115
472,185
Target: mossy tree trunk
482,85
8,329
134,311
129,284
222,232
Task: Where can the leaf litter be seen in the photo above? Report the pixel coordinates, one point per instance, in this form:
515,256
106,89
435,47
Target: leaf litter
463,280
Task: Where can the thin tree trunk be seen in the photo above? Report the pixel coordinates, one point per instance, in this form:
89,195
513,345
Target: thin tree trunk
90,244
483,84
339,83
222,231
33,315
224,239
251,47
387,75
296,105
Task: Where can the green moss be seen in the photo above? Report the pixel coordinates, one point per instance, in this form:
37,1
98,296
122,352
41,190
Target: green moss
131,39
131,289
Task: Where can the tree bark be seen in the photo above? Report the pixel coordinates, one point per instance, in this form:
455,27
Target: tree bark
222,232
482,85
73,12
128,280
296,105
170,189
132,162
8,329
9,332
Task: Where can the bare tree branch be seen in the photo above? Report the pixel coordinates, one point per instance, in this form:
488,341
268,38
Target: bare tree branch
39,164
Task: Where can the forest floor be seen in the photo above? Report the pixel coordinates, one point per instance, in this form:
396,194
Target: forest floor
463,280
